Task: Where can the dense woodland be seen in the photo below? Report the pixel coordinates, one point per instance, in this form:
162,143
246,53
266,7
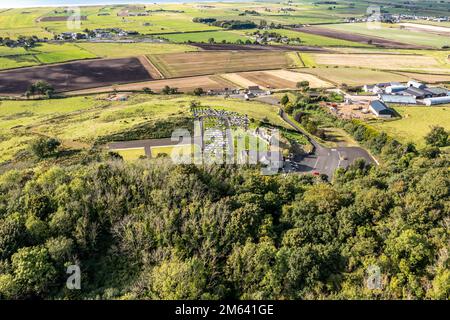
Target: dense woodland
153,230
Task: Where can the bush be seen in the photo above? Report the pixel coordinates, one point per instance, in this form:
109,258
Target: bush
437,137
44,147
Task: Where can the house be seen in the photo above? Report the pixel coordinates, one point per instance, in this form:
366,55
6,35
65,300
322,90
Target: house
368,87
417,93
416,84
399,99
437,100
380,87
380,109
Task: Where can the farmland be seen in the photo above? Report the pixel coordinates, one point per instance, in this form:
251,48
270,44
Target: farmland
310,39
394,34
327,31
187,85
202,63
42,54
121,50
354,76
378,61
277,79
75,75
414,125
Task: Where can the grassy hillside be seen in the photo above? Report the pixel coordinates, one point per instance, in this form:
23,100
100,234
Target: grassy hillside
81,121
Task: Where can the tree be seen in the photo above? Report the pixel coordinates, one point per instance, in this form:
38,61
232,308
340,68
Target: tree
250,268
12,235
169,90
437,137
40,87
33,270
44,147
211,40
198,91
284,100
175,280
147,90
303,85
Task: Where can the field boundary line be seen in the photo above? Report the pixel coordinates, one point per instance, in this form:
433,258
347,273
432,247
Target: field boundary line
155,61
148,65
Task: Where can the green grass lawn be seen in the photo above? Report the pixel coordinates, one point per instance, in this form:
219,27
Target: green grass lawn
415,123
394,33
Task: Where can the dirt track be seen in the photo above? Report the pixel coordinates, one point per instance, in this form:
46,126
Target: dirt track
358,38
75,75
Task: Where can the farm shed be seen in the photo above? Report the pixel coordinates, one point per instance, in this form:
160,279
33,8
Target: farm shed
395,88
380,109
390,98
438,92
417,93
437,100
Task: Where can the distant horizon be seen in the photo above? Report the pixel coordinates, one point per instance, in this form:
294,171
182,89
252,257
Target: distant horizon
69,3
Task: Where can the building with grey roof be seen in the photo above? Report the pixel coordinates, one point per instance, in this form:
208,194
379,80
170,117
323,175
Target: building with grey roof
437,100
390,98
438,92
380,109
417,93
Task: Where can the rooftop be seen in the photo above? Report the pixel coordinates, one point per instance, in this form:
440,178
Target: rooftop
398,99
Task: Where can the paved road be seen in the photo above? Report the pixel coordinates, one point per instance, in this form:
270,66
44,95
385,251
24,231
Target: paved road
325,160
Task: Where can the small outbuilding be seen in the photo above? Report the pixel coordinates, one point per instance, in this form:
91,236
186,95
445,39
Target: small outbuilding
416,84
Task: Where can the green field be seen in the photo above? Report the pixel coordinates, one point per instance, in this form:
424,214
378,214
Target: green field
175,151
415,123
44,53
391,32
131,154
